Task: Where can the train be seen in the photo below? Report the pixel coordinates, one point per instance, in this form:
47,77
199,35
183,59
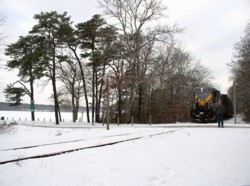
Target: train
203,103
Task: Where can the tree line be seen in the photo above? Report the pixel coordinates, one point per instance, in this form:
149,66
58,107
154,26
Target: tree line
240,68
127,67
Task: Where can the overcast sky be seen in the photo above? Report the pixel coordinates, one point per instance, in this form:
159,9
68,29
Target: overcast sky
212,27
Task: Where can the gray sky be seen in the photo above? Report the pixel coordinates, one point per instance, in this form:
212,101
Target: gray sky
212,27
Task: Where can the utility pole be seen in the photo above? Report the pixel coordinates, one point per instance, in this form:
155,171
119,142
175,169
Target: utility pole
234,102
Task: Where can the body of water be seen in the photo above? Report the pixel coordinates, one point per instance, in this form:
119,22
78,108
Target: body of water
39,116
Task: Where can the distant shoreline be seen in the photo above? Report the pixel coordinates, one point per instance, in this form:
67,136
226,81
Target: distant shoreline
38,107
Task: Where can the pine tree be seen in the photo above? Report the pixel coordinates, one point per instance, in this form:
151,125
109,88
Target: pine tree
25,56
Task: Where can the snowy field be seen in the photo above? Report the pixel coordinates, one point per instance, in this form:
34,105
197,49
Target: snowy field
157,155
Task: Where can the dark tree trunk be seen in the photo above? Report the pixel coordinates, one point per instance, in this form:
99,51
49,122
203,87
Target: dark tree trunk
120,103
84,84
56,107
93,96
140,102
32,94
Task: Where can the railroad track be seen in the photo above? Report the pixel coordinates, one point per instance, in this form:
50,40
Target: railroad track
56,143
53,149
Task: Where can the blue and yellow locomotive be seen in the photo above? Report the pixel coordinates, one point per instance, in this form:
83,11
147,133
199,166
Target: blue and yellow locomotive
204,102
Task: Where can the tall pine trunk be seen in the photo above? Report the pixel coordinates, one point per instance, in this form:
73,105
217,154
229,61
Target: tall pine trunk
32,94
84,84
56,105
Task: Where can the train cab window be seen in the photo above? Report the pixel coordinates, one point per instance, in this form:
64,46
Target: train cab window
216,96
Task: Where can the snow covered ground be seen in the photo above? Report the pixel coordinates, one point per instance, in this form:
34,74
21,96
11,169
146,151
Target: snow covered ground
177,154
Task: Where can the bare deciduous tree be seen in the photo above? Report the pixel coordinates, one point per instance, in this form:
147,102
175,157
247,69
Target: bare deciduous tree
2,22
133,18
70,75
240,66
